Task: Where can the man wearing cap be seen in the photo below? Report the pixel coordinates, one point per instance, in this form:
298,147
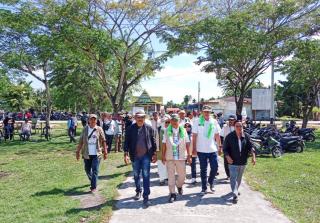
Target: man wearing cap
92,144
176,145
206,144
140,145
226,130
182,118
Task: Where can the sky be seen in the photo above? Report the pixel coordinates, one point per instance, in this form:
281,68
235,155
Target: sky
180,77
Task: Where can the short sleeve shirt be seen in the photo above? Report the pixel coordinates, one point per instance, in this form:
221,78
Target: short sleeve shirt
205,144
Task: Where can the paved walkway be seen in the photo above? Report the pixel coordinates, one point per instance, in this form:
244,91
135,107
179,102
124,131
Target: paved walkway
191,207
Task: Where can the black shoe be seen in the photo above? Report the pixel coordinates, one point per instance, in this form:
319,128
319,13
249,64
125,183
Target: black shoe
203,192
172,197
180,190
146,203
212,188
138,196
235,200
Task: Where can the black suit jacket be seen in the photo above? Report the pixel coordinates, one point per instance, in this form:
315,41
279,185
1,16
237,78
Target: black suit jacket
231,148
130,143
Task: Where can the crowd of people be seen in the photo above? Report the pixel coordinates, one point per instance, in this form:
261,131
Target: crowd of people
172,141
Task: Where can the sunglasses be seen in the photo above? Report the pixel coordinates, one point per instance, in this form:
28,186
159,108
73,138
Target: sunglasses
167,122
188,126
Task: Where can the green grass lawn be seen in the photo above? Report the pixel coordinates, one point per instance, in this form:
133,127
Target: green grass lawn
38,182
291,183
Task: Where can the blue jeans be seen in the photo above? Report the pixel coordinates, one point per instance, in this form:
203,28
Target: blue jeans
142,164
213,161
194,167
91,166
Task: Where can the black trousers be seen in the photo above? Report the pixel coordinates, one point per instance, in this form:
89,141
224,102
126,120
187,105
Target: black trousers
109,139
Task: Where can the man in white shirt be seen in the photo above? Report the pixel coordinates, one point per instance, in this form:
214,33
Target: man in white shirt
25,130
226,130
182,118
176,145
156,126
92,144
108,127
206,144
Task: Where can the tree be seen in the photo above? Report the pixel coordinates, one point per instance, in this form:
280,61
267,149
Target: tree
116,36
257,84
303,72
26,44
187,99
241,44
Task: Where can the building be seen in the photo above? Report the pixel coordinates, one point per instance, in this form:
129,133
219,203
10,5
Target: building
148,103
227,106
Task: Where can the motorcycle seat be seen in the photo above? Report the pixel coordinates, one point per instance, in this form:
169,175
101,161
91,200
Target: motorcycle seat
290,138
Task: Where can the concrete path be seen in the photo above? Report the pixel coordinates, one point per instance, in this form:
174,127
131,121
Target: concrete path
193,208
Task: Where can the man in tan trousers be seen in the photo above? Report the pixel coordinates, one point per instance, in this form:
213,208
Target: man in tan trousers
175,146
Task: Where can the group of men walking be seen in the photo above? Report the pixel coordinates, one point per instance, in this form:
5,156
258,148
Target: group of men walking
172,141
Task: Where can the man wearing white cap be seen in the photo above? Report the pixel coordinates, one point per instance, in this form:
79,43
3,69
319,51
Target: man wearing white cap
182,118
140,145
92,144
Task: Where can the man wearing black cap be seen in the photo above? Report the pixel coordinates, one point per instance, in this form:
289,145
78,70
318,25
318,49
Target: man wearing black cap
227,128
140,145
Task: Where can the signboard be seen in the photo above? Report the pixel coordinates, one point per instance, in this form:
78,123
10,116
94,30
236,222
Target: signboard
261,99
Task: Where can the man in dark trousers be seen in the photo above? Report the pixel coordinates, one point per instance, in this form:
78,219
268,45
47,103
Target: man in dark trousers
140,146
237,148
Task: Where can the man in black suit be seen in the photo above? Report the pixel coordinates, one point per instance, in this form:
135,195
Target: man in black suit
140,146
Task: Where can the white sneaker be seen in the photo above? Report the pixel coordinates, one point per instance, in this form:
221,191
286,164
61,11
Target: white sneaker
193,180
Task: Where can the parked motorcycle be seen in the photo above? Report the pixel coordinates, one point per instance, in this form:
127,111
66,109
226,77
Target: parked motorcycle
266,146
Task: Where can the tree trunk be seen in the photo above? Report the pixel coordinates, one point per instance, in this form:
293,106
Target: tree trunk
306,115
48,95
239,106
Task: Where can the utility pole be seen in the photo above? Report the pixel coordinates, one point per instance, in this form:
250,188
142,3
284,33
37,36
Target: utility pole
272,93
198,96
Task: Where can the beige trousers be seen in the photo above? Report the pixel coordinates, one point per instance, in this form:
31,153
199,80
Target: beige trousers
173,167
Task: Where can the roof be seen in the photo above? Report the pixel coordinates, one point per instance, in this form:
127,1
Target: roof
227,99
145,98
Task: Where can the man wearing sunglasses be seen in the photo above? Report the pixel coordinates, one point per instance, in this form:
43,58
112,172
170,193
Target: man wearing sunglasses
140,145
237,148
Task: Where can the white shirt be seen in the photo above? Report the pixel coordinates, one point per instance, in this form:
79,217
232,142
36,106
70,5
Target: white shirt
226,130
175,132
92,142
112,127
205,145
240,144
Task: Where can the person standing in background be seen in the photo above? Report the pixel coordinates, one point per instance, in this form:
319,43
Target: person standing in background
108,127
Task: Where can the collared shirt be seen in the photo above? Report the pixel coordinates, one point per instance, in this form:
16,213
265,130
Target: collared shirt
205,144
